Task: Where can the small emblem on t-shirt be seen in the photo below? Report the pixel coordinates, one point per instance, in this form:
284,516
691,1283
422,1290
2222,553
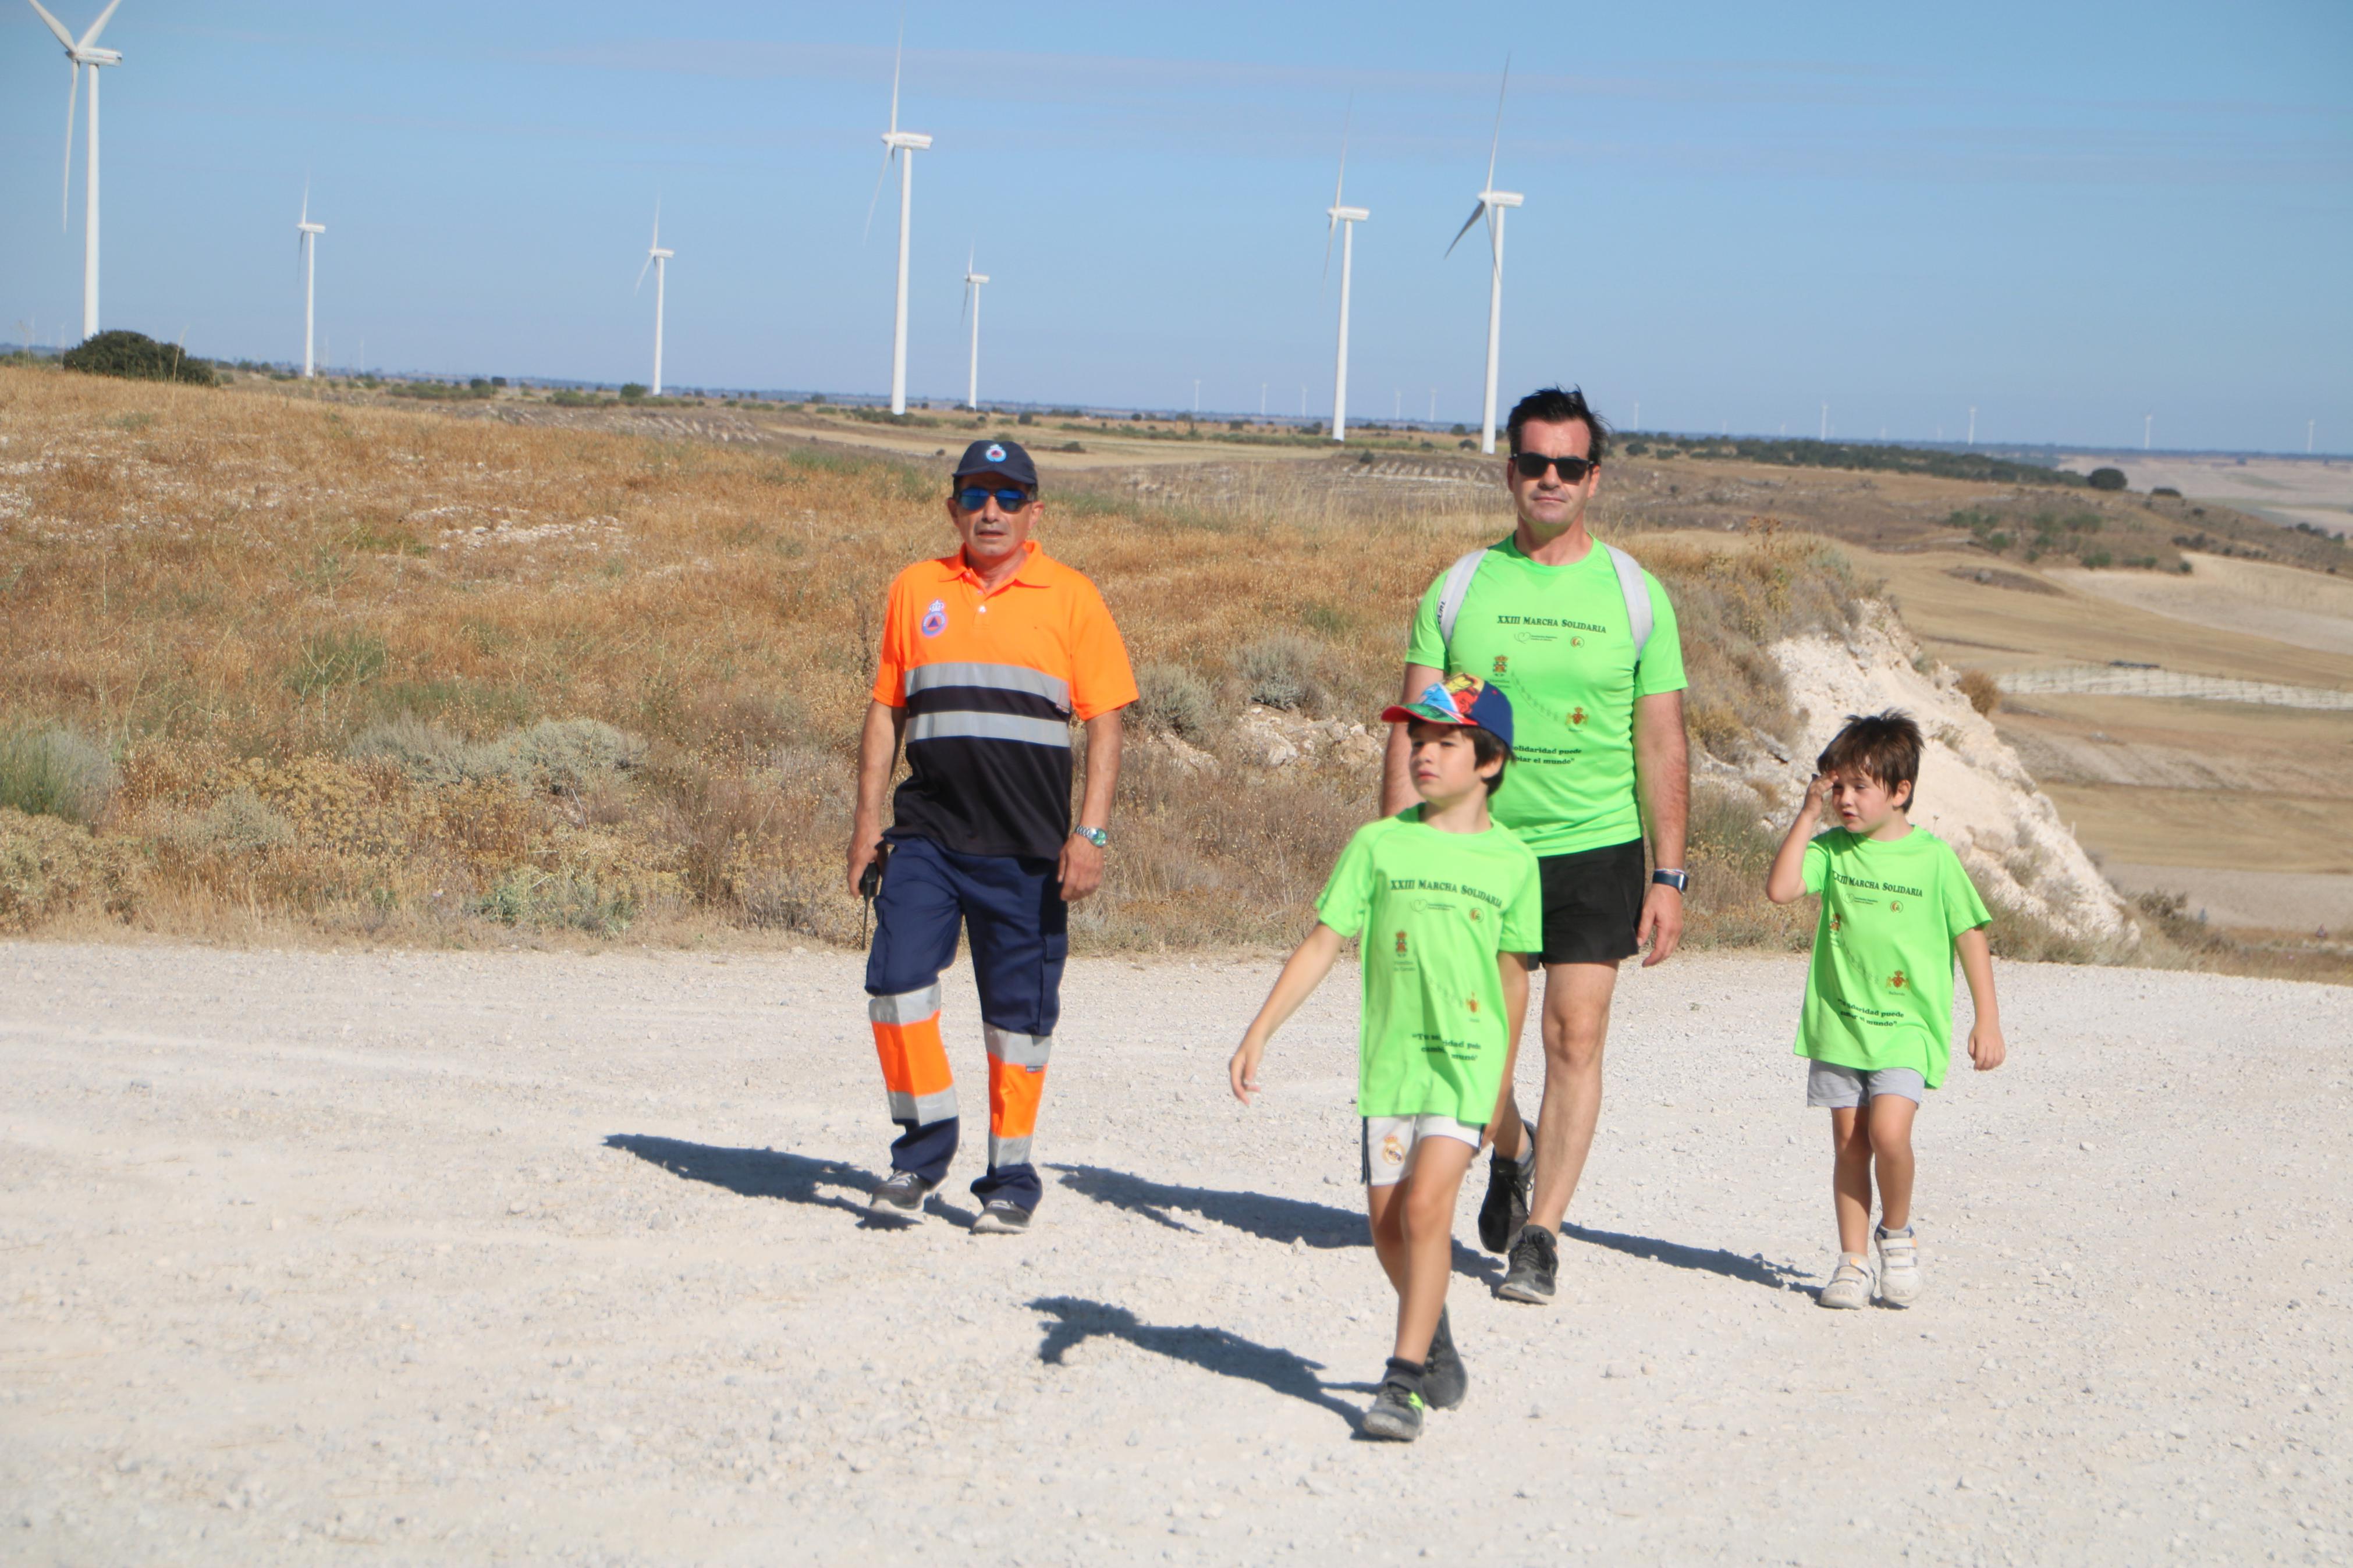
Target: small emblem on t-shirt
1577,642
1400,944
1894,906
1836,921
1576,715
1897,981
1472,1003
1502,661
935,618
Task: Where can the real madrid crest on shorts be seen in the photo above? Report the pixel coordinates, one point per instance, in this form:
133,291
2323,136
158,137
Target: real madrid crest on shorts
935,618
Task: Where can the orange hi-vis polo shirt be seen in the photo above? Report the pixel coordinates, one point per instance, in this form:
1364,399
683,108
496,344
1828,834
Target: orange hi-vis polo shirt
990,683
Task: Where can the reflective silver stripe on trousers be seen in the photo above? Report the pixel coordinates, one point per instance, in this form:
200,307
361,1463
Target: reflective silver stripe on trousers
923,1110
907,1008
1004,1152
989,727
998,676
1018,1050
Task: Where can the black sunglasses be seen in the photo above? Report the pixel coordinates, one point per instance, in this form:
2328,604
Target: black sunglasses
972,498
1532,466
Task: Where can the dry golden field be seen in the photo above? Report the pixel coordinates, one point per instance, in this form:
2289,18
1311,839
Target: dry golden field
283,664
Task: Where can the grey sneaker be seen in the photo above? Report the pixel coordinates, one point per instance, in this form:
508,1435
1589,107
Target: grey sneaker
1505,1207
1899,1267
1850,1287
1444,1381
900,1197
1001,1217
1536,1265
1397,1409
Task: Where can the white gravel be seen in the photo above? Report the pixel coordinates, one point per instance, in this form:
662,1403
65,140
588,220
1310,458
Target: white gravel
438,1258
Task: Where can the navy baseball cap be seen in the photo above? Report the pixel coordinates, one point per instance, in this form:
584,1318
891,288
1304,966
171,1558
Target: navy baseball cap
1464,699
1004,458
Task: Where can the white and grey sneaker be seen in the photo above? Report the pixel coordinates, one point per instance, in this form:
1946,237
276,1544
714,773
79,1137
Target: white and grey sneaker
1850,1287
1899,1267
1001,1217
900,1197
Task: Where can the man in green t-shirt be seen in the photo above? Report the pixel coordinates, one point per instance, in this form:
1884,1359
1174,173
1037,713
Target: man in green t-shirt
1446,902
1584,642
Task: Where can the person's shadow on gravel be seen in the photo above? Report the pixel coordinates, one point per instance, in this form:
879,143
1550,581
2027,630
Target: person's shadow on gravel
1263,1215
1220,1350
754,1172
1712,1260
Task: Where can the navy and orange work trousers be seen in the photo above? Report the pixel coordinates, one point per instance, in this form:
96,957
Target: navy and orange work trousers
1012,906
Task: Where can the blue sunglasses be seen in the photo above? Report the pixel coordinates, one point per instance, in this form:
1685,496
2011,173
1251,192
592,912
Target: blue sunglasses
972,498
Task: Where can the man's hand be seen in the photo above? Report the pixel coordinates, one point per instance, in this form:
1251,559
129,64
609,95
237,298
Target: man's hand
1987,1051
1081,868
864,843
1662,925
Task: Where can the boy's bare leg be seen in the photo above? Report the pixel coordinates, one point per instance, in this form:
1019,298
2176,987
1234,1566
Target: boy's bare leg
1388,1208
1575,1024
1890,1121
1850,1178
1425,1202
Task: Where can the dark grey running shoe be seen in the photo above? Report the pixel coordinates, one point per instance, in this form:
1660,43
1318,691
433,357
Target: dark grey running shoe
1397,1409
900,1197
1001,1217
1443,1379
1536,1265
1505,1208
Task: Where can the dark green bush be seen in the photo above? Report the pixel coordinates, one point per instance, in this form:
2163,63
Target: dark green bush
136,357
2105,478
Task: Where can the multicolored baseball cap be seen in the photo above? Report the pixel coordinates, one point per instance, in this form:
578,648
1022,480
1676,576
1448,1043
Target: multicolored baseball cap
1462,700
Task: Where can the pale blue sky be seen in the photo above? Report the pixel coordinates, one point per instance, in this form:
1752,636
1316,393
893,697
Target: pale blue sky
2069,216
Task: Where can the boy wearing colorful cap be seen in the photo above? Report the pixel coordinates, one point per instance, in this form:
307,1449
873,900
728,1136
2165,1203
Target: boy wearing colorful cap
1446,900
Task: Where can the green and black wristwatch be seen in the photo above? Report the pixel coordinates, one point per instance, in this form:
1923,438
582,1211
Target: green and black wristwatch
1094,836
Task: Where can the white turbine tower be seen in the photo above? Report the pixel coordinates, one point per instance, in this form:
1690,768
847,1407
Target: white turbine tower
972,282
896,142
79,53
655,257
1492,204
1344,219
306,251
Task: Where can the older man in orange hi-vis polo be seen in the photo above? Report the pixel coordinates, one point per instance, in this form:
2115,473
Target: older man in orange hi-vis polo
987,655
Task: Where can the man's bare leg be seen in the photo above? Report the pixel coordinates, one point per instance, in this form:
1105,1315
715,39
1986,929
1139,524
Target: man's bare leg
1575,1024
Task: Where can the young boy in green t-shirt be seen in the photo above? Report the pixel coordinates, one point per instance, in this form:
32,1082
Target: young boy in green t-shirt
1446,902
1878,1017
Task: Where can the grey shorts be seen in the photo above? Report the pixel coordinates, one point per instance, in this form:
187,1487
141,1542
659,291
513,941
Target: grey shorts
1831,1085
1391,1142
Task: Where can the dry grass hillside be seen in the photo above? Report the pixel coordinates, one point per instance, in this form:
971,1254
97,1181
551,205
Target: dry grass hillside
373,671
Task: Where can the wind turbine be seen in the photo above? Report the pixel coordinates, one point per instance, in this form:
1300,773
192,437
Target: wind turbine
655,257
84,52
894,143
1492,204
1344,218
306,251
972,282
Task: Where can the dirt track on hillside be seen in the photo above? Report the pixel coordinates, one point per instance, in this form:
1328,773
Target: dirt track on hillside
348,1257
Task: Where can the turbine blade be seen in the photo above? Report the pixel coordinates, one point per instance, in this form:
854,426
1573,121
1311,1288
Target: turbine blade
55,26
641,273
65,186
1346,123
867,233
1476,214
1498,141
966,312
99,25
1325,275
306,198
897,54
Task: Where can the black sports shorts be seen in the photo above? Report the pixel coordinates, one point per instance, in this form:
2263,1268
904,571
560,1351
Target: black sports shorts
1592,902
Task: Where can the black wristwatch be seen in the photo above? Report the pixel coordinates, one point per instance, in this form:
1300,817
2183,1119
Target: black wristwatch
1679,880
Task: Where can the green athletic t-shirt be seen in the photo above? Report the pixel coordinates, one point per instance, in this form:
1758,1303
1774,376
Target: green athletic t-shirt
1434,909
1880,992
1556,640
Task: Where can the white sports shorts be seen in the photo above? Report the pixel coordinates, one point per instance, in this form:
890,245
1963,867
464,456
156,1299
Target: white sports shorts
1390,1142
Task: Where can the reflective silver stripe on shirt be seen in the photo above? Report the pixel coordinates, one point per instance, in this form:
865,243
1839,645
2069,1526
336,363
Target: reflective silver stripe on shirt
989,727
997,676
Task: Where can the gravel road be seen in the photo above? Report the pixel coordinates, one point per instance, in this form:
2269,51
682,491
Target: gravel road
372,1258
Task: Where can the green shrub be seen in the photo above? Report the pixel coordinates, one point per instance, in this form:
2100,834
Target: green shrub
568,900
137,357
560,757
55,773
239,823
49,867
2105,478
632,391
1279,671
337,658
1176,701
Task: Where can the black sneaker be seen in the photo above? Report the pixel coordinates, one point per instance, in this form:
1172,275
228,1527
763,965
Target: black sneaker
1443,1379
1001,1217
1397,1409
1535,1264
900,1197
1505,1207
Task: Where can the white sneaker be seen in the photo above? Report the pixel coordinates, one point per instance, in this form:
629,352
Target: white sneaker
1899,1268
1850,1287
